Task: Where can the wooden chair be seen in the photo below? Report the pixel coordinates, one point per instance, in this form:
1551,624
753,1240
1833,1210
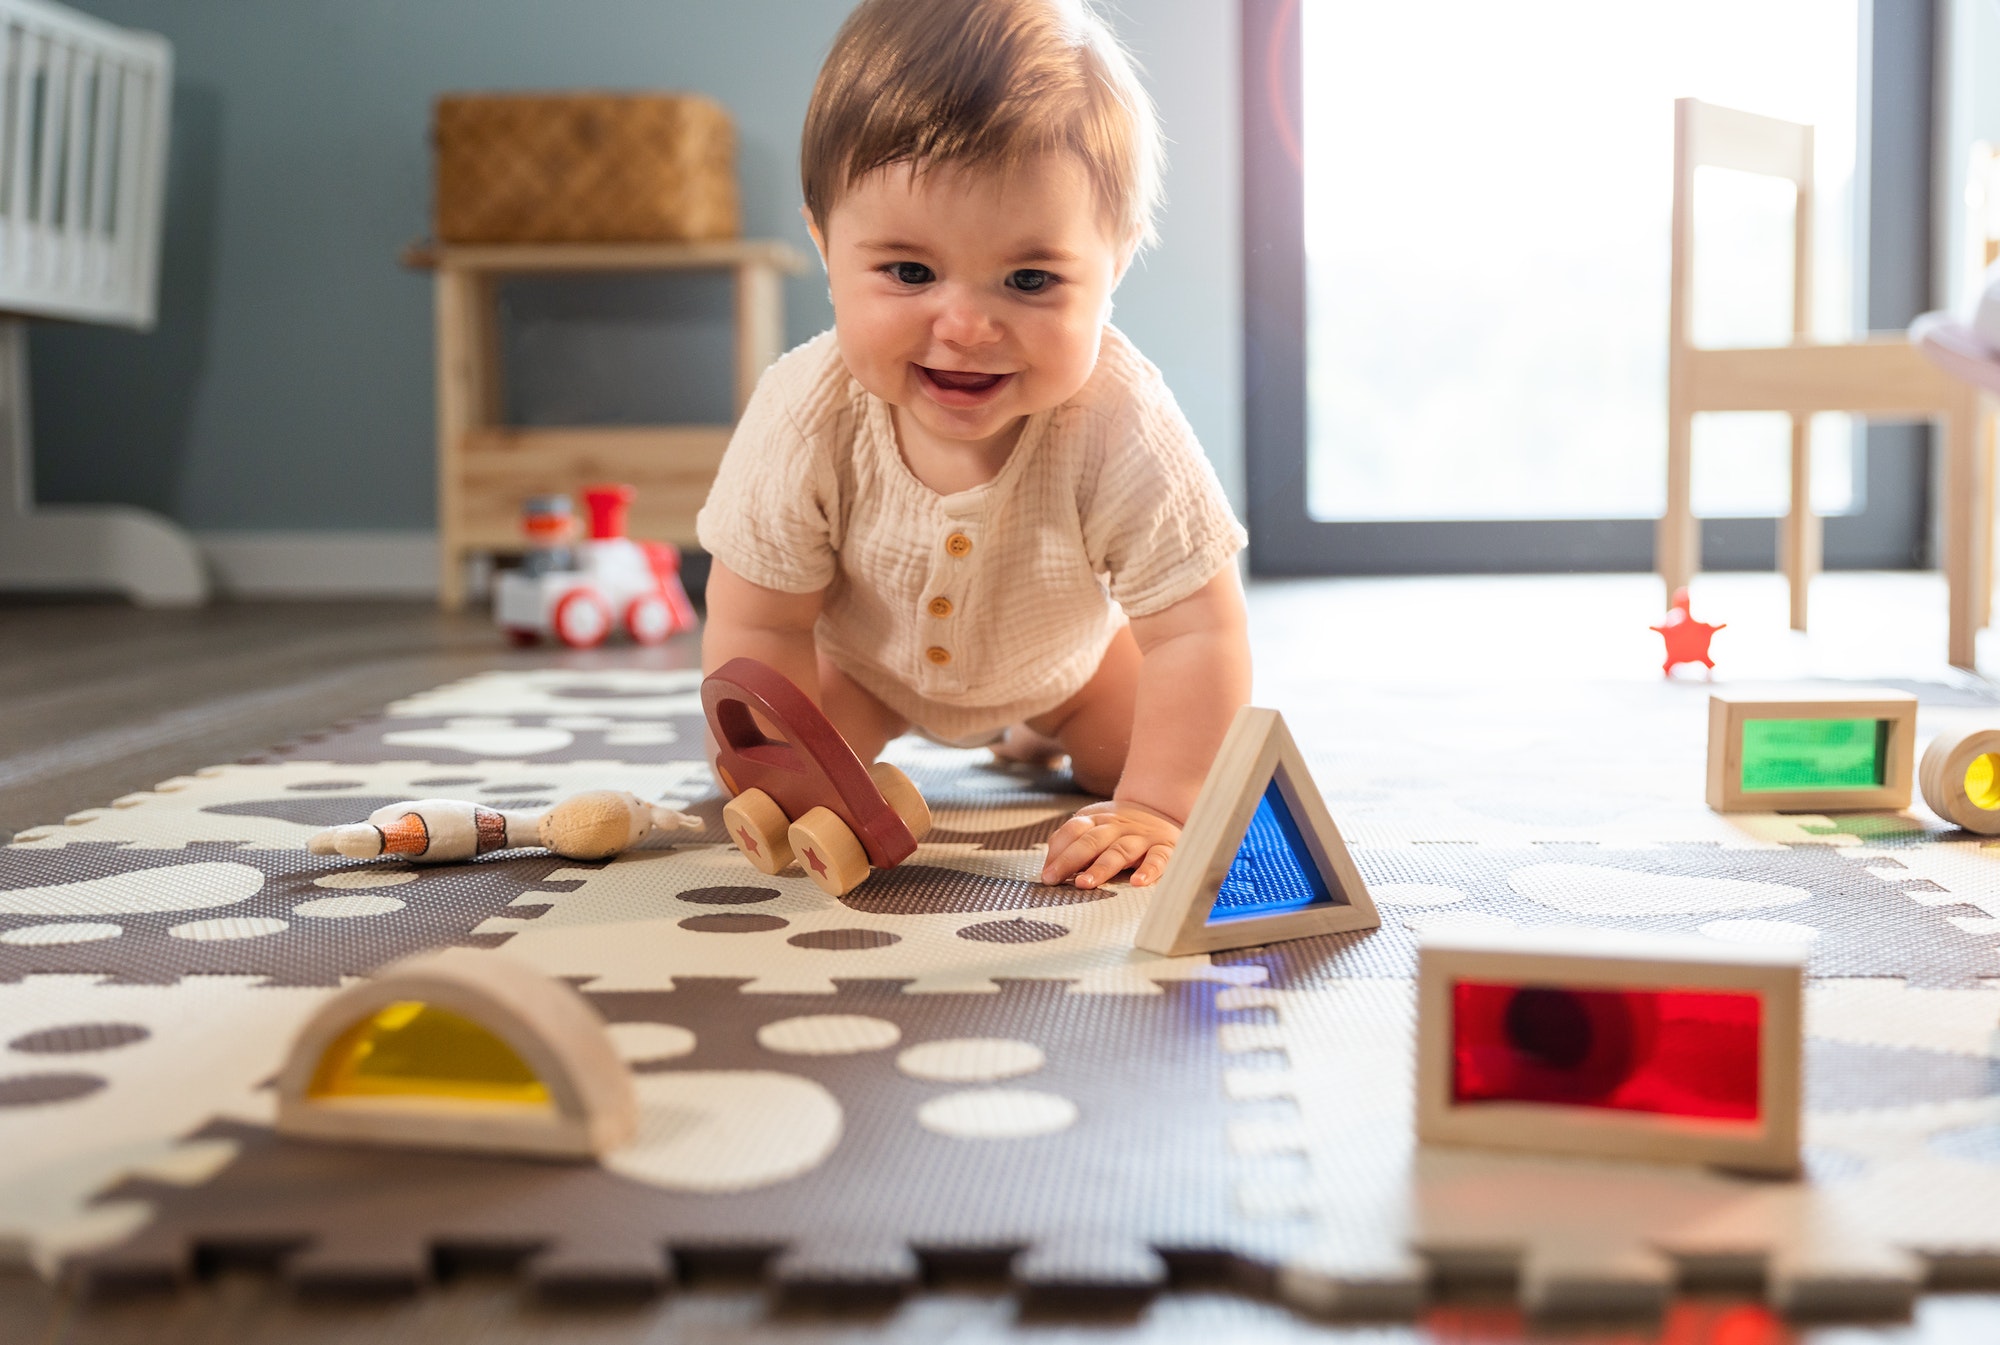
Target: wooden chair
1879,375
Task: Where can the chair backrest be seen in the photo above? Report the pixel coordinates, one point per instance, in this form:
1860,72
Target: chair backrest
1723,137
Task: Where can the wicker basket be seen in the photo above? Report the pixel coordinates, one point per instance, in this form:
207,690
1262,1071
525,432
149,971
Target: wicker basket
584,168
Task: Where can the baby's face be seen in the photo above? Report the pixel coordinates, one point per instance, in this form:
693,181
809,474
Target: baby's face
968,300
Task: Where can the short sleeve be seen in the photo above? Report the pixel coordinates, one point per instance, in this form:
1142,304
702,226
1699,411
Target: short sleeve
1156,523
772,514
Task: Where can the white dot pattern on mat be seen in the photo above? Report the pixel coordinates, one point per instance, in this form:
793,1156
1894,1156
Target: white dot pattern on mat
997,1114
1594,889
350,879
1414,894
1760,931
829,1034
642,1043
1456,922
485,738
173,887
44,936
347,908
727,1130
971,1059
229,927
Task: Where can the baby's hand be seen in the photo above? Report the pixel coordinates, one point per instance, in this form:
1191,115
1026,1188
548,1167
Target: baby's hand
1104,839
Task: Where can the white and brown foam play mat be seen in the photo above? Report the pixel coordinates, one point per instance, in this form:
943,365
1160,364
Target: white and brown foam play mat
952,1061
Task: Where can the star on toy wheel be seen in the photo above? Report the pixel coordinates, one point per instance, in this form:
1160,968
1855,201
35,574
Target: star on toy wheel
1687,639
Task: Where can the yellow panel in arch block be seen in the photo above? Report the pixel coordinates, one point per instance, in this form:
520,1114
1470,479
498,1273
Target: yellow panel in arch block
413,1049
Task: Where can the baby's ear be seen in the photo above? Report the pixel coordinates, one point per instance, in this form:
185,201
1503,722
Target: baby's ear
1126,253
812,227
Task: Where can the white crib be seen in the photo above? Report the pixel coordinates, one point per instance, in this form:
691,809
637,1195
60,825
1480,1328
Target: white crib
83,141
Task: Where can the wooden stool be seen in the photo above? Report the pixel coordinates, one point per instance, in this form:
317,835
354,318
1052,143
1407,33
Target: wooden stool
486,469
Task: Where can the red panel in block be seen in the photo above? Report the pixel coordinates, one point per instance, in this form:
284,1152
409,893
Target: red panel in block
1676,1052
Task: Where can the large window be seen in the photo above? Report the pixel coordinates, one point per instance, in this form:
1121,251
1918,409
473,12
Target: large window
1487,193
1457,219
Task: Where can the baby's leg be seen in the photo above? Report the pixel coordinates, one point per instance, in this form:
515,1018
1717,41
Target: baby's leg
864,721
1095,725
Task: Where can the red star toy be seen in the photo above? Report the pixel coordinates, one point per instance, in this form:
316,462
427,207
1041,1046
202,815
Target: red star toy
1687,639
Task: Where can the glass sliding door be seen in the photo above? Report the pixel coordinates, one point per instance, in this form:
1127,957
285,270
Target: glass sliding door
1483,195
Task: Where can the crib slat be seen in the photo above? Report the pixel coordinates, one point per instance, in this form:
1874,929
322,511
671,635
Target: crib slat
21,156
76,164
103,128
126,242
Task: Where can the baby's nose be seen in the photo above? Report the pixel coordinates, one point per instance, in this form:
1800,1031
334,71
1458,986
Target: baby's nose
965,321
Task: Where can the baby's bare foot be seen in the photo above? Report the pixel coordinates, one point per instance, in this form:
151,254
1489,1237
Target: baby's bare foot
1021,743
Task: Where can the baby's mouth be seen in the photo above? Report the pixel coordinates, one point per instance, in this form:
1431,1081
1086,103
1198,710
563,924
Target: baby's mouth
957,380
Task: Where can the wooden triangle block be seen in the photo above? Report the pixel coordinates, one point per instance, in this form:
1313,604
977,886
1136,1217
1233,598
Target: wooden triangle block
1259,859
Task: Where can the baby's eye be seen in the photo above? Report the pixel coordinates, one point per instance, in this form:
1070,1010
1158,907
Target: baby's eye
1031,282
910,273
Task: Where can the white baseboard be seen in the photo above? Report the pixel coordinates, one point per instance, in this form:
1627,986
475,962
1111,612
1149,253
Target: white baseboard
323,564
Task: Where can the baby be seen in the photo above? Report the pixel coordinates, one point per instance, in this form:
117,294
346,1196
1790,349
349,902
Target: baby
972,509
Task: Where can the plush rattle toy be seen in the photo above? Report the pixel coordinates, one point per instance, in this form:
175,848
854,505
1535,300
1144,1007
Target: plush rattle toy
596,825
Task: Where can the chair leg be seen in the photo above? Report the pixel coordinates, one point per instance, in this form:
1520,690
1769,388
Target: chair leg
1677,539
1982,575
1799,535
1968,514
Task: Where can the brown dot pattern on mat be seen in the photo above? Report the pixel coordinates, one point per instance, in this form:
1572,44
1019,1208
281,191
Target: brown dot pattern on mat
926,889
445,781
523,787
315,786
38,1090
76,1038
733,922
728,896
844,940
1016,930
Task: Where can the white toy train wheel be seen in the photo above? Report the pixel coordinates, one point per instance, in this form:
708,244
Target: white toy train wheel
582,619
1960,779
648,619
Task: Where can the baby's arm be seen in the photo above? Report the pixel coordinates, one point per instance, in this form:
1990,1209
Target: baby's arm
747,620
1194,674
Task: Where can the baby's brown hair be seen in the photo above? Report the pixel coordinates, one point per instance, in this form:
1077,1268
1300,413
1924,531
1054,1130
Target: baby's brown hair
982,84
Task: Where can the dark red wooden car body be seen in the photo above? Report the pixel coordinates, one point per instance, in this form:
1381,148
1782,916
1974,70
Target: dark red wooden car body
812,767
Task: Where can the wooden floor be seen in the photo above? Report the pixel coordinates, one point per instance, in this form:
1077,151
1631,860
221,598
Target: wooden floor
97,700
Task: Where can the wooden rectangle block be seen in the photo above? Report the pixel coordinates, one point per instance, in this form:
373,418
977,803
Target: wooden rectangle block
584,168
1600,1043
1810,750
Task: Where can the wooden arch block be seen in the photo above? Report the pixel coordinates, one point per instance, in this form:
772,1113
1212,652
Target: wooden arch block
460,1049
1260,859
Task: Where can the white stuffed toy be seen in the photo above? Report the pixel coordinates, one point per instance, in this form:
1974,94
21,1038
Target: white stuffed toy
596,825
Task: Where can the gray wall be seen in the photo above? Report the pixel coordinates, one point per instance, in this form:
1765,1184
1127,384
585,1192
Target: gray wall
289,384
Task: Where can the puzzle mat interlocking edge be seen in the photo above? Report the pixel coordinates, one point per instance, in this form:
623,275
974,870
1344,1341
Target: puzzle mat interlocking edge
953,1060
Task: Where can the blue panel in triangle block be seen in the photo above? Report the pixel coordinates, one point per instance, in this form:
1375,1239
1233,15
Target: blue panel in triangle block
1273,871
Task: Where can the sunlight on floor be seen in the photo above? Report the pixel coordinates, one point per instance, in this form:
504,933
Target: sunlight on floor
1459,629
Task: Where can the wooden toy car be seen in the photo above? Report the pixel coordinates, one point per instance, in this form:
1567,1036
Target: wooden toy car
806,796
614,584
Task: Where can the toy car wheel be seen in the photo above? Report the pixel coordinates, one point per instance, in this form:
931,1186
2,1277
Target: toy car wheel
648,619
899,793
830,853
758,826
582,619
